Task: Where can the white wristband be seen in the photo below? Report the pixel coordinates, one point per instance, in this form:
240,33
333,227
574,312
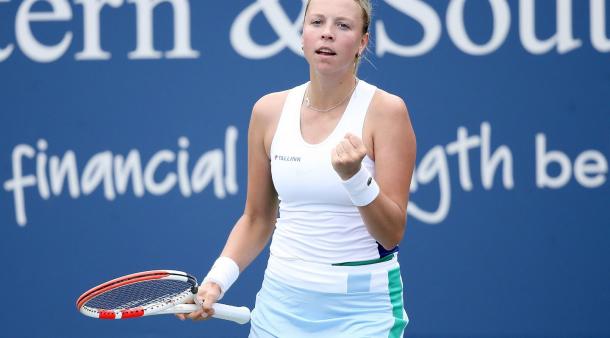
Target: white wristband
224,272
361,188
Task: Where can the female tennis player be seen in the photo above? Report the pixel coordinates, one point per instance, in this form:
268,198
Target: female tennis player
336,156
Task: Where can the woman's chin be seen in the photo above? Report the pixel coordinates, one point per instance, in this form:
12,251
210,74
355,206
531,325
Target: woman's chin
325,68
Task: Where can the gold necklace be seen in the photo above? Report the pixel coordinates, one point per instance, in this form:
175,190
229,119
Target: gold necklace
320,110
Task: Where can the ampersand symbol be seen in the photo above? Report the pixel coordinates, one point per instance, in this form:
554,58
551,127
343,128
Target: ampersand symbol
289,33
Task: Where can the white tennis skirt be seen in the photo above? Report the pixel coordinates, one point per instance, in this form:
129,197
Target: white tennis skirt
302,299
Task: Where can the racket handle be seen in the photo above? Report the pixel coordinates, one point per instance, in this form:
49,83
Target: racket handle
240,315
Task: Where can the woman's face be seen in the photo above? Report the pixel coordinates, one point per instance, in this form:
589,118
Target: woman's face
332,35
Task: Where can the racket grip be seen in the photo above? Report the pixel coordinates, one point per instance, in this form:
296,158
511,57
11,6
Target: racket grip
240,315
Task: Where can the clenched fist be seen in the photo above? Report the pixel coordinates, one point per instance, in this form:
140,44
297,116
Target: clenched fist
347,156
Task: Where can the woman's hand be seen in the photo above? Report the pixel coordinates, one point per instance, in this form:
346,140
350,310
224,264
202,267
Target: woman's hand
206,297
347,156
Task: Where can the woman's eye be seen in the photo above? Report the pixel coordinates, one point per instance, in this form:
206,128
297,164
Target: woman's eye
343,26
315,22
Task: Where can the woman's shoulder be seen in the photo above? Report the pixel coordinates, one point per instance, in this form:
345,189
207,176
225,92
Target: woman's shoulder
270,105
388,121
266,115
387,105
270,101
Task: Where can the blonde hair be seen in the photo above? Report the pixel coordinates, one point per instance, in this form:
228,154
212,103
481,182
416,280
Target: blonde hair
367,13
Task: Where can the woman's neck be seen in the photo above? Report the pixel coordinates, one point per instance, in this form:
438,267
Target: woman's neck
328,91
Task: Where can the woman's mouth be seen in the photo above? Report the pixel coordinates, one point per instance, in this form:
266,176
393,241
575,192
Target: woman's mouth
325,51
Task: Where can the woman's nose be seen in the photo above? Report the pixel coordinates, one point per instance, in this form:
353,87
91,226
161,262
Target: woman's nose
327,34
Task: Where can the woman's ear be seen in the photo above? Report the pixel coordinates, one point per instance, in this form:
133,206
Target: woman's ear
363,43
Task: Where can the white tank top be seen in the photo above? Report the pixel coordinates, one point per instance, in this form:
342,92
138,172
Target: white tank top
317,221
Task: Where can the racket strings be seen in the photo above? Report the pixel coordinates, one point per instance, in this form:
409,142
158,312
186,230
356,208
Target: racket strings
139,294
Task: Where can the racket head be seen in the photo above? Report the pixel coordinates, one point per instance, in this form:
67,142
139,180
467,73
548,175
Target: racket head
136,295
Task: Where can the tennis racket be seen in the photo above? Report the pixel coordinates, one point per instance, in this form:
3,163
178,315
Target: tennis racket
150,293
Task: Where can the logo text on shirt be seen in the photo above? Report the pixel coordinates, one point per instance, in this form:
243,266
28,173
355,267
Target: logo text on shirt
287,158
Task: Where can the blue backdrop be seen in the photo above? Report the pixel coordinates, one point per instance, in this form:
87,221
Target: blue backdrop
123,148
